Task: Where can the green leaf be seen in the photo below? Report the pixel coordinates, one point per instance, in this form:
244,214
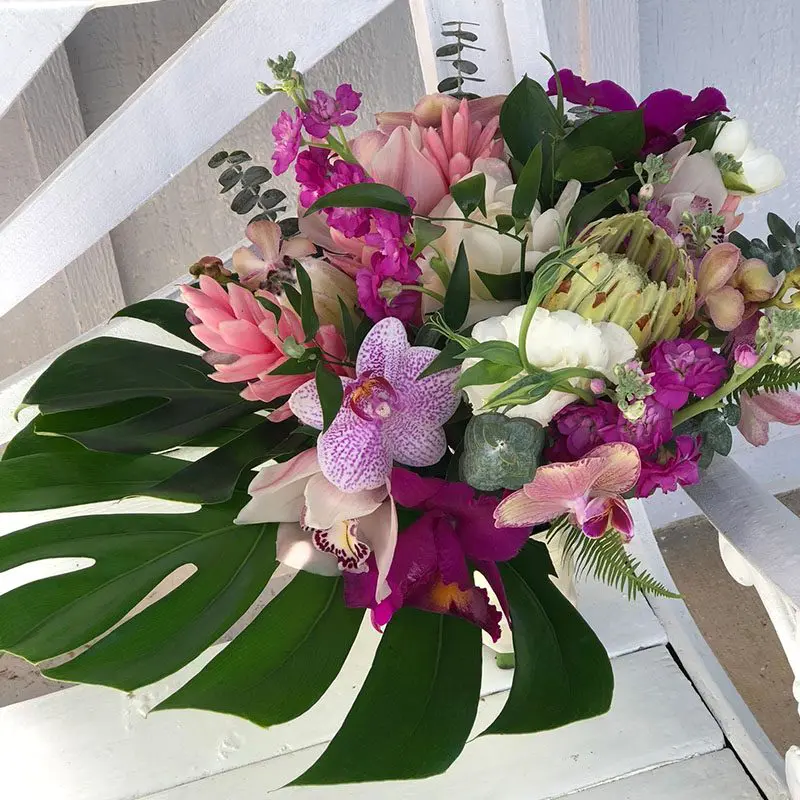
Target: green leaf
496,352
621,132
735,182
245,200
485,372
255,176
527,188
218,159
500,452
329,388
705,130
425,232
213,478
469,194
133,553
586,164
27,442
716,433
162,397
505,222
308,314
239,156
456,299
308,631
348,328
527,118
169,315
423,715
528,389
591,206
563,673
447,359
273,308
60,479
501,287
364,195
780,230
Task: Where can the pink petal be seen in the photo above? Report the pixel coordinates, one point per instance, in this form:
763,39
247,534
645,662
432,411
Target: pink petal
621,519
245,306
779,406
751,425
717,268
295,549
618,466
325,504
726,308
269,387
212,340
434,398
519,510
415,444
212,290
306,406
245,368
368,144
298,247
245,337
352,453
382,349
251,270
266,235
379,530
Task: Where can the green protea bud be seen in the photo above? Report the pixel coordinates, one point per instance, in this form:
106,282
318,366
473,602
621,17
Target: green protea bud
630,273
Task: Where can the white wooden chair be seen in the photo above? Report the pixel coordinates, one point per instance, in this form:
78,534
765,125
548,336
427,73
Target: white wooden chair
677,730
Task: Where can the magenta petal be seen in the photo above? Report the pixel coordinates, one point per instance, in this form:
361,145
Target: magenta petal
621,519
490,571
412,490
352,453
382,349
607,94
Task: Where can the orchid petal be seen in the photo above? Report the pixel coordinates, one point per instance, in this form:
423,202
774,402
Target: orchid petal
266,235
295,549
519,510
617,468
379,530
434,398
326,505
305,403
415,444
751,425
298,247
382,348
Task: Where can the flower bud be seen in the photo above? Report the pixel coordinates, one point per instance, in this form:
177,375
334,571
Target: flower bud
263,88
211,266
745,356
390,289
634,411
597,385
782,358
646,193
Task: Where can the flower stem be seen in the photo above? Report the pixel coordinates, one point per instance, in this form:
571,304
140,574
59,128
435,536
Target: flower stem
470,222
413,287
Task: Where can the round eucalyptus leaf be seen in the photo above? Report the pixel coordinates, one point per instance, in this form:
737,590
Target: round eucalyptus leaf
500,452
255,176
218,159
245,201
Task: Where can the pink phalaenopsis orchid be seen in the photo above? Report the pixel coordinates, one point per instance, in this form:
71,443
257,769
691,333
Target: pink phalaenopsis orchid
245,340
759,410
388,413
588,490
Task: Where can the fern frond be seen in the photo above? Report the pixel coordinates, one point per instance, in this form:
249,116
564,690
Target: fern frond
771,378
607,560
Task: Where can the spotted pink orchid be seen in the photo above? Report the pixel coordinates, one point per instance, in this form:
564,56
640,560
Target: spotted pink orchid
759,410
388,413
588,490
322,529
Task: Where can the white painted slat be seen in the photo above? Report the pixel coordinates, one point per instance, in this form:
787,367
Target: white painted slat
180,111
712,682
656,718
527,23
718,776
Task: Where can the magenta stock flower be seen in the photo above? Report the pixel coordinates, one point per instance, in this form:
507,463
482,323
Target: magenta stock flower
387,414
589,491
325,112
648,432
287,140
671,468
581,429
432,566
685,366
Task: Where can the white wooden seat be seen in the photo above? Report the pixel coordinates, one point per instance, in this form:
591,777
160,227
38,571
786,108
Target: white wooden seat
677,729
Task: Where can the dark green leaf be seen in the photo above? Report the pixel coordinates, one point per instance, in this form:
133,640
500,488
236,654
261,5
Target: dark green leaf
27,442
447,359
448,50
448,84
716,433
621,132
289,226
245,201
133,553
273,308
308,314
467,36
213,478
423,715
169,315
348,329
467,67
293,296
60,479
239,156
161,397
527,118
218,159
308,631
456,299
528,183
364,195
229,178
271,198
591,206
732,414
255,176
329,388
528,389
562,671
780,229
485,372
501,287
505,222
469,194
425,232
497,352
705,130
298,366
500,452
586,164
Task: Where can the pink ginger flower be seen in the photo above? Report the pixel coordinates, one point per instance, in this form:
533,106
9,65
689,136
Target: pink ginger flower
325,112
588,490
245,340
759,410
388,413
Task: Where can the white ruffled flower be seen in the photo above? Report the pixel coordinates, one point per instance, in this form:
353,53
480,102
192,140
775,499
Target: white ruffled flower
556,339
488,251
761,170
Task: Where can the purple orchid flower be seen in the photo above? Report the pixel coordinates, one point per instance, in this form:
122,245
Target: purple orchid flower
665,111
431,568
325,111
388,414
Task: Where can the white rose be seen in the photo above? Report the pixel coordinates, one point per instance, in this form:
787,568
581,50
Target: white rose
761,170
556,339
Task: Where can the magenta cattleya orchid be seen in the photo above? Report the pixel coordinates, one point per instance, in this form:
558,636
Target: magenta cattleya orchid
432,566
759,410
388,413
588,490
665,111
323,529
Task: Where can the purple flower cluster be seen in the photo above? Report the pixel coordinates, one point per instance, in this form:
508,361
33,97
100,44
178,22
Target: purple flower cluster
286,132
671,469
685,366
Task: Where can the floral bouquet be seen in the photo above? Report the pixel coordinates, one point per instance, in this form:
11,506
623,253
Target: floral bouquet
492,321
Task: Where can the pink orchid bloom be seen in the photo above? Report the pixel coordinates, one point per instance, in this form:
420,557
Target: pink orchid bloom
587,490
728,211
388,413
270,257
246,342
322,529
731,288
759,410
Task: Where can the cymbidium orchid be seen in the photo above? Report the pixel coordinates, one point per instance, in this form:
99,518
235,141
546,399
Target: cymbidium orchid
589,491
388,412
759,410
